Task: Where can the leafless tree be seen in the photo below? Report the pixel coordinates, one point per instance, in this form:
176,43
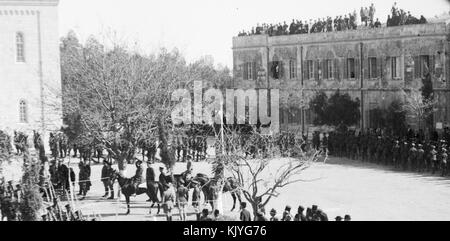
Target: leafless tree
255,161
416,106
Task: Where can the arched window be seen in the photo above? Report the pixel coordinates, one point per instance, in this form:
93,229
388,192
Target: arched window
23,111
20,47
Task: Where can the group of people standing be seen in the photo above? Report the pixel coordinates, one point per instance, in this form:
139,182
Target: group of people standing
313,214
412,151
401,17
328,24
339,23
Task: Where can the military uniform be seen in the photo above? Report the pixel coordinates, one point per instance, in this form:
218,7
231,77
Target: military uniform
412,154
420,160
434,159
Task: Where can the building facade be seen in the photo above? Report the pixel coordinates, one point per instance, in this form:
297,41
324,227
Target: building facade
30,76
371,65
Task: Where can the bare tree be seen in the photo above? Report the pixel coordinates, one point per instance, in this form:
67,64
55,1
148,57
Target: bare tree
255,161
416,106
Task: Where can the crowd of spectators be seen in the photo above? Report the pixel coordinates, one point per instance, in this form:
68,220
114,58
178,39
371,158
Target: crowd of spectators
339,23
401,17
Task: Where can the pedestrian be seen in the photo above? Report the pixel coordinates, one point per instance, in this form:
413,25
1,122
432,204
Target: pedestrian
196,198
300,216
205,216
217,216
287,216
273,214
106,173
182,199
245,214
347,218
168,200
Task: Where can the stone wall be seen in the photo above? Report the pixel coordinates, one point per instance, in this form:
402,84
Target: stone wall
37,81
407,43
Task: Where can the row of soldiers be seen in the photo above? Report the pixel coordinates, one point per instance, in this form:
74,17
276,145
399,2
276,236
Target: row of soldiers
60,147
10,199
413,153
186,147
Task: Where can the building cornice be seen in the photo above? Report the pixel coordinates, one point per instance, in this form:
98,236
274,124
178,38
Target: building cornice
437,30
29,3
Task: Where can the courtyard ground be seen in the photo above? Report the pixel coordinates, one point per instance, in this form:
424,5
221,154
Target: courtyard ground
367,192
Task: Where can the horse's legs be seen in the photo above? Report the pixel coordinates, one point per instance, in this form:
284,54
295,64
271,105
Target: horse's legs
159,208
150,211
127,198
234,201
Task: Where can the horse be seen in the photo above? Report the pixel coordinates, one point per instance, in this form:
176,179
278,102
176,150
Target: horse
153,188
20,142
128,187
209,188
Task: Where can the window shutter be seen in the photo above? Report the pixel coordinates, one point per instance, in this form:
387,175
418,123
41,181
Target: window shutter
255,72
388,69
346,76
337,67
305,70
416,67
432,64
270,69
244,66
380,68
366,66
324,69
281,66
357,68
316,69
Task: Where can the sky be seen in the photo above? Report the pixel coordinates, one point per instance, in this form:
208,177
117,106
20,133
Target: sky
206,27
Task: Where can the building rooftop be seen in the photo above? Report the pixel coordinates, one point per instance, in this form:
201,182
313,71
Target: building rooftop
263,40
29,2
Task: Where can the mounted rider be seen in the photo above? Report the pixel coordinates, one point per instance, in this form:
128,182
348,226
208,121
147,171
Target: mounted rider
137,179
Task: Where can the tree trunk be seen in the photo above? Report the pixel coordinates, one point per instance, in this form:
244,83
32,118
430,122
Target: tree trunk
219,202
122,163
255,208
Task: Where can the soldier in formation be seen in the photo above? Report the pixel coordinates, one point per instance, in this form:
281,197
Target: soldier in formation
412,152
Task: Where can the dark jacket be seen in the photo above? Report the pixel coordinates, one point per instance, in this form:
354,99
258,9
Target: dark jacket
245,216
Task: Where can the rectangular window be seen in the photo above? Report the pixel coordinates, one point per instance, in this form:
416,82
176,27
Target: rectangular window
373,73
329,69
20,48
276,69
310,69
249,71
395,68
424,61
351,74
292,69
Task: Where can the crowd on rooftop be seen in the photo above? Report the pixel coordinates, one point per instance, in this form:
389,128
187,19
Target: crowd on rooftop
339,23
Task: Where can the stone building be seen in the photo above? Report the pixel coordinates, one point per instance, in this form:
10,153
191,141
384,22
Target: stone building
372,65
30,75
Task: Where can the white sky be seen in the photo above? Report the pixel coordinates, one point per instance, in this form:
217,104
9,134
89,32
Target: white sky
206,27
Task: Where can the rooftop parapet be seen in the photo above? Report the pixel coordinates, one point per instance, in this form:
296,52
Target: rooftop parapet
430,29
